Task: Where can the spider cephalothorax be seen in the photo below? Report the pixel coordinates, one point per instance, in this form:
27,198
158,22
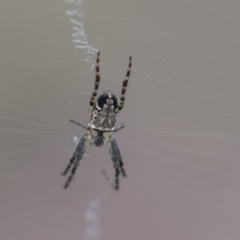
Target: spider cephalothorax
99,131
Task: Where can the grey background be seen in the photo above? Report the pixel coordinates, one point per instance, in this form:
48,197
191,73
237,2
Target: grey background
181,141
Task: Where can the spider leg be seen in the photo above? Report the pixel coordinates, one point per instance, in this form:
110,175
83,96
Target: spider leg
124,86
116,158
73,171
71,161
76,158
119,127
116,185
97,80
79,123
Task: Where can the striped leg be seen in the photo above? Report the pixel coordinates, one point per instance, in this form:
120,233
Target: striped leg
97,80
124,86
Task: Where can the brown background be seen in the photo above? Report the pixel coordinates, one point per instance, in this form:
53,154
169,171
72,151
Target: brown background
181,141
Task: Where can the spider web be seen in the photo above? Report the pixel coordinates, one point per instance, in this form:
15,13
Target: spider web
181,141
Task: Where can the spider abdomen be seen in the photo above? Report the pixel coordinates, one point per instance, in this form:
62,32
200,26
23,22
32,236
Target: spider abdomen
105,111
104,119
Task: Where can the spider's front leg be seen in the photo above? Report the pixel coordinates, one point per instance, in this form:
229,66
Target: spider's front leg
76,158
116,158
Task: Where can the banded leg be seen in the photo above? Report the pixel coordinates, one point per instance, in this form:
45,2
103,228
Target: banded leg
119,127
75,160
97,80
124,86
116,158
79,123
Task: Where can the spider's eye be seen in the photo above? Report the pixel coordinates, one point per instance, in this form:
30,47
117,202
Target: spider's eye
102,100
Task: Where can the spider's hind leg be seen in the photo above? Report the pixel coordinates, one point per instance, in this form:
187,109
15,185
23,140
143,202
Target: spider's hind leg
124,85
97,81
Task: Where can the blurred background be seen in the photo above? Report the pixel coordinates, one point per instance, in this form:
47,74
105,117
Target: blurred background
181,142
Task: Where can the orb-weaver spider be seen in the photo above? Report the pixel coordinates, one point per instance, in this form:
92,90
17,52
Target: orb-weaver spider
100,130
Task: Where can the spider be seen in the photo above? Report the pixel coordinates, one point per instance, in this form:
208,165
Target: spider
100,130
